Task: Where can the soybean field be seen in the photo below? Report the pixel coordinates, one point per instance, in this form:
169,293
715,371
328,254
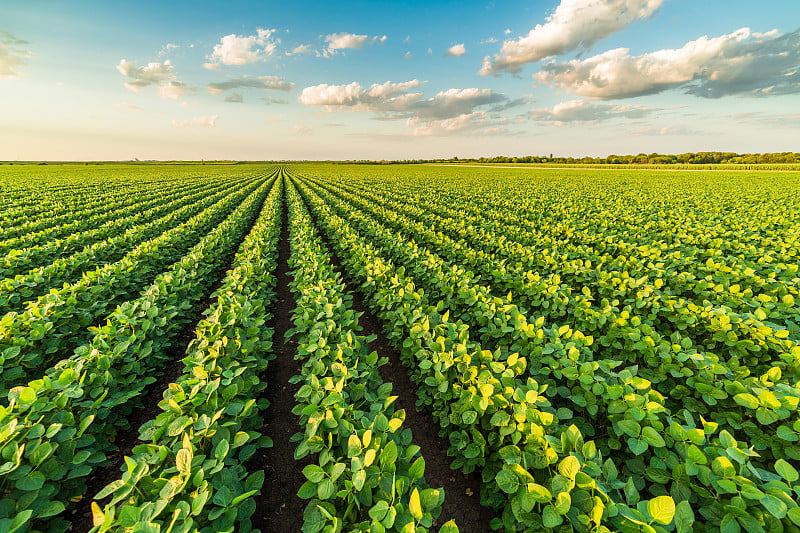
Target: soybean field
398,348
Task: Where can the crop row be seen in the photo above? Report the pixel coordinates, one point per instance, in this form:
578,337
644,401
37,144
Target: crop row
368,475
188,474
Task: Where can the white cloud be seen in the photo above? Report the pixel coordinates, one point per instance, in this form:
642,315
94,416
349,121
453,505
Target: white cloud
575,24
584,111
204,121
273,100
337,95
301,49
172,89
457,50
12,58
343,41
455,102
395,99
430,51
336,42
262,82
490,40
243,49
153,74
447,112
141,77
167,48
508,31
407,55
235,98
459,124
60,84
302,130
741,62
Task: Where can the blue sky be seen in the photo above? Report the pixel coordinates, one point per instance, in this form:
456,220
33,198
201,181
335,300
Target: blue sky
396,80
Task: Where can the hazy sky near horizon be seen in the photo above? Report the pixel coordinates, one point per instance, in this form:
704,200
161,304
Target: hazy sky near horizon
394,80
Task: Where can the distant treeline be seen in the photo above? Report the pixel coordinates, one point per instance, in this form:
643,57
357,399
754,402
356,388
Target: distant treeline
694,158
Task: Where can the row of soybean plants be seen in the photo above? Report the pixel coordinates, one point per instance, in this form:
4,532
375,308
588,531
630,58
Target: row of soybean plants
367,474
25,254
31,272
50,327
188,474
709,292
75,210
39,195
59,426
689,374
742,308
736,310
563,359
52,211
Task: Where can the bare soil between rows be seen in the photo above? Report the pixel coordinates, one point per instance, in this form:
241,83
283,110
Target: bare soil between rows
278,508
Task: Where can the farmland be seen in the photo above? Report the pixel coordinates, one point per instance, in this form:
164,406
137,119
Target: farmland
332,347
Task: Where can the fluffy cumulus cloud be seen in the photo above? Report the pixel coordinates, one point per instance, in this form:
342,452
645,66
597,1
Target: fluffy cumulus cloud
204,122
342,41
457,50
243,49
262,82
738,63
378,97
453,103
584,111
141,77
446,112
159,74
574,25
13,58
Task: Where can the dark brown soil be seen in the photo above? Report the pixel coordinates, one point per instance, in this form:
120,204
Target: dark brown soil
81,515
462,491
278,508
